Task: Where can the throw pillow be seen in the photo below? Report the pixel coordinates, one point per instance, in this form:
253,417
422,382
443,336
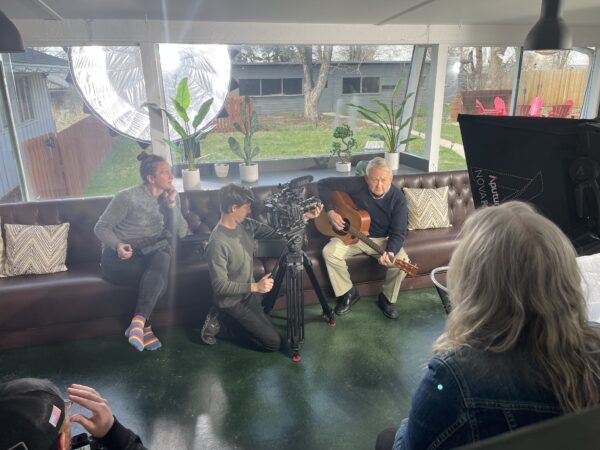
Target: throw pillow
427,208
36,249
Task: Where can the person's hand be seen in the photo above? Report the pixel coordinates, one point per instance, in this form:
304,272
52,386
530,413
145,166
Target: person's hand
264,285
170,196
124,251
101,420
386,259
336,221
313,213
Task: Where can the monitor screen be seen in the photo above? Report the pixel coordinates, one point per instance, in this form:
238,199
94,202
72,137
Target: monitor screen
527,159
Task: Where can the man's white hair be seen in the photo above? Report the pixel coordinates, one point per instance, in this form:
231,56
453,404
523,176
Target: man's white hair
378,163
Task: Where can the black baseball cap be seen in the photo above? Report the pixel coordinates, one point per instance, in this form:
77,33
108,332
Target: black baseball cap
32,412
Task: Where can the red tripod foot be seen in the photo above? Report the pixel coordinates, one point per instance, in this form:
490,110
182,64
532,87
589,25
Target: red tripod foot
331,323
296,357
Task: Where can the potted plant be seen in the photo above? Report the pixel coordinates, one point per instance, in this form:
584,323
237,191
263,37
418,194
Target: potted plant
388,117
249,125
221,169
187,129
342,147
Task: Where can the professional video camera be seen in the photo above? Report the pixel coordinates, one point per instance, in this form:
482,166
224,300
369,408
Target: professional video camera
286,208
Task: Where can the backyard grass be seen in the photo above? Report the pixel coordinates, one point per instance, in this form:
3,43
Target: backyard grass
281,136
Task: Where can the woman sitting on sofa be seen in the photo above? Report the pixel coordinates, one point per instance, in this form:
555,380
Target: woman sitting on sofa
517,348
136,231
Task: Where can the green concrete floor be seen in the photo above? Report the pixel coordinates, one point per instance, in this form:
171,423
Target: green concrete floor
354,380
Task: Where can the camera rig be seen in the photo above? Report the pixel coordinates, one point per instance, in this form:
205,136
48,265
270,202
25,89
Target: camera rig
285,212
286,207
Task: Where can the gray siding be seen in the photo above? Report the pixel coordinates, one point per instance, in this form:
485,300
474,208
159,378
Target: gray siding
332,96
42,123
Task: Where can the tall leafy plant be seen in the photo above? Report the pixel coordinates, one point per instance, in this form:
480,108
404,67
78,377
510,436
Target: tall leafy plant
388,117
248,127
186,128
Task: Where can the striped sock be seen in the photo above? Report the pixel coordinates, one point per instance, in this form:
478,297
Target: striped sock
135,334
151,342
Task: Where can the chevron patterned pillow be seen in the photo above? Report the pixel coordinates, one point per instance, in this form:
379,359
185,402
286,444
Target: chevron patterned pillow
36,249
427,208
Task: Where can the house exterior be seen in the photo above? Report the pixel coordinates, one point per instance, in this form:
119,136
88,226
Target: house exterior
35,75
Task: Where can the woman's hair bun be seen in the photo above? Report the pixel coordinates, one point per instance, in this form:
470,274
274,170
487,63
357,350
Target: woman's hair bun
142,156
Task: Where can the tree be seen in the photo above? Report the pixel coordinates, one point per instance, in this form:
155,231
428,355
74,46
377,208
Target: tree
312,90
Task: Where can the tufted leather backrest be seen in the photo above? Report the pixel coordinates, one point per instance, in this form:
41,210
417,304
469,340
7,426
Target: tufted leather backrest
201,210
81,214
460,200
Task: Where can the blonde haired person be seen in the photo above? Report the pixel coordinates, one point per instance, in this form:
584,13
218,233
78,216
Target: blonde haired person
518,347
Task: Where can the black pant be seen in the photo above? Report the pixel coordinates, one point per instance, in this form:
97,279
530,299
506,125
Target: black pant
149,273
251,326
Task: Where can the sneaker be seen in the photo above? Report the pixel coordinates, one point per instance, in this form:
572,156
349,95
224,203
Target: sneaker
211,327
389,309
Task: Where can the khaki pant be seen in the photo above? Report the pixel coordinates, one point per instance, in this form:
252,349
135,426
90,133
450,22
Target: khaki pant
335,254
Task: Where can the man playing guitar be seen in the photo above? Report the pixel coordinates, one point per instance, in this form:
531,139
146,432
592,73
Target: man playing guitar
386,206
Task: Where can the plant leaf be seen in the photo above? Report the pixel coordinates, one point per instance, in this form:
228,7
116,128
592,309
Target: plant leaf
234,145
183,94
202,112
181,112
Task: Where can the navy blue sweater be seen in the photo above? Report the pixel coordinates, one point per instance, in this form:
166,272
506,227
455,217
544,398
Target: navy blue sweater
388,213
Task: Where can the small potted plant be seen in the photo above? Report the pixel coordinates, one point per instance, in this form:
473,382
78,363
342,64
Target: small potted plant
249,125
189,133
342,147
221,169
388,117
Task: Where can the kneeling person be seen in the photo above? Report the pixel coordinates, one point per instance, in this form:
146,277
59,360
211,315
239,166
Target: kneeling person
237,296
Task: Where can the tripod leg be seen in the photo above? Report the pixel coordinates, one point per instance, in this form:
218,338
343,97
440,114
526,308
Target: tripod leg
279,273
295,304
327,311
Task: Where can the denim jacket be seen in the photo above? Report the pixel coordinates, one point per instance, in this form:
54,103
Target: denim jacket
468,395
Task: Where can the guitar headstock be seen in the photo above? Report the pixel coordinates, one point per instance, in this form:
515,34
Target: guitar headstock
410,269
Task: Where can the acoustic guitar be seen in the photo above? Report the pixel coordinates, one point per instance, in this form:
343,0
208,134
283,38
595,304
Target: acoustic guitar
356,228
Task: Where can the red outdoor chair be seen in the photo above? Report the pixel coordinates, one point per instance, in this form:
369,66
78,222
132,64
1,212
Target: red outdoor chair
536,107
485,111
561,110
499,106
522,110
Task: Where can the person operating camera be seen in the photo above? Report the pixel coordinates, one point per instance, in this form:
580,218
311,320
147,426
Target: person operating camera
237,312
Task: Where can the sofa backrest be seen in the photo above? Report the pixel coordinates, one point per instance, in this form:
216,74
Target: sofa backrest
81,213
201,210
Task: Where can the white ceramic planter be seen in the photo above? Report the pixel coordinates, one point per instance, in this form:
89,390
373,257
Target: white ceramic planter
221,170
191,179
249,174
343,166
393,160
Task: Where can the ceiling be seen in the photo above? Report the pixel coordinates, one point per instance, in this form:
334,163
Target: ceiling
425,12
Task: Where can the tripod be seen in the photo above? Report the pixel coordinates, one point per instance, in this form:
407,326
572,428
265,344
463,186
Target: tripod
292,262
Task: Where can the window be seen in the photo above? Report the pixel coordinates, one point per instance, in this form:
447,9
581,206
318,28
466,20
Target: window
249,87
351,85
24,98
270,86
292,86
364,85
370,85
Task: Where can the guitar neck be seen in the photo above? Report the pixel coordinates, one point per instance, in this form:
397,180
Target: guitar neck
364,238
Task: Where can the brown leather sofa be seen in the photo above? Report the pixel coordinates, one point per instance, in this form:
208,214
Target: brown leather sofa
36,309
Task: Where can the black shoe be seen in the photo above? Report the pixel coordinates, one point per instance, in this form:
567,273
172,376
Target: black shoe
346,301
389,309
211,327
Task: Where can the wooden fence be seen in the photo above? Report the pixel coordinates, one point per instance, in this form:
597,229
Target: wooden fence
553,86
233,106
61,165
